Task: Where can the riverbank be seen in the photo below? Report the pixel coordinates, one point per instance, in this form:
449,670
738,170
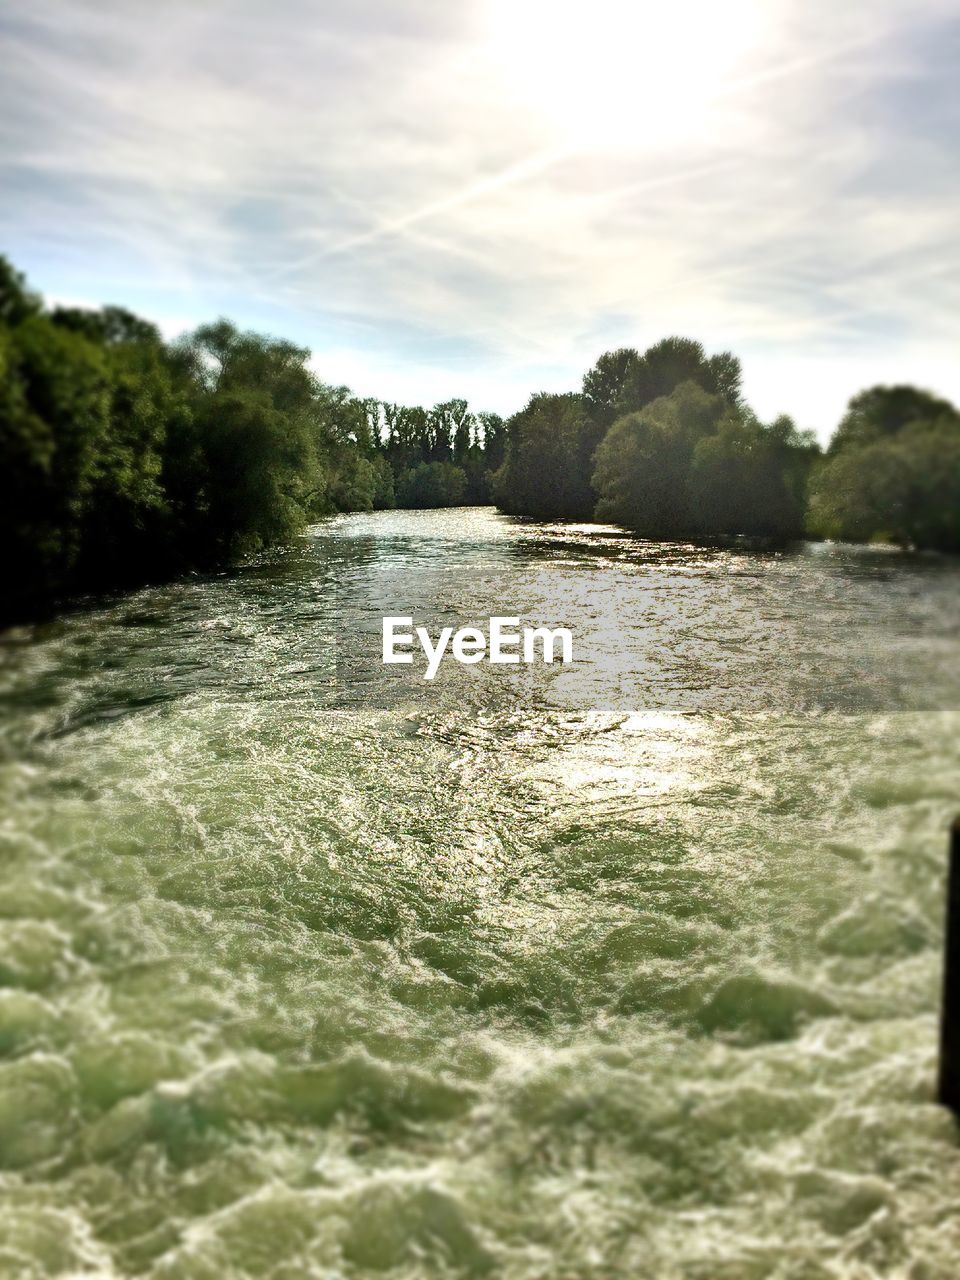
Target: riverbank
45,606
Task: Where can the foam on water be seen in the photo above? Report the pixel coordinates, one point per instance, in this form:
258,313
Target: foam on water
302,976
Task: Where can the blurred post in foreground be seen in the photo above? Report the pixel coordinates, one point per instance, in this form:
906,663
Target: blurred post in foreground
948,1089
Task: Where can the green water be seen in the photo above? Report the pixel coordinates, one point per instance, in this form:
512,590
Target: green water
627,969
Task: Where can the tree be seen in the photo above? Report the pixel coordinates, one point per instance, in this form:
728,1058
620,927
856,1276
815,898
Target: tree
410,435
547,467
384,489
110,326
494,439
902,488
603,384
254,472
355,483
260,422
880,412
54,422
17,302
891,471
643,465
127,517
124,457
128,512
463,429
432,484
752,479
669,363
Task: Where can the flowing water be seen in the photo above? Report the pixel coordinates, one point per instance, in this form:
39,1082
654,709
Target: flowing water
309,968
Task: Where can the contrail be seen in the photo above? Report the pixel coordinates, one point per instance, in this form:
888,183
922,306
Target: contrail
518,172
533,165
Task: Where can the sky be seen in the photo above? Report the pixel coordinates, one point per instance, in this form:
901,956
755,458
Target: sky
476,198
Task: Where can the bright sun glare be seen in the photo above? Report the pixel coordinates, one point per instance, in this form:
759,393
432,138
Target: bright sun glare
608,72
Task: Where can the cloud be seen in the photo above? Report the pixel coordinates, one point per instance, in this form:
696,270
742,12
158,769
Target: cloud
372,179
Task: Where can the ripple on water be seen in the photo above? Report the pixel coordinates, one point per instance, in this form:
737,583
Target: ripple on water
294,984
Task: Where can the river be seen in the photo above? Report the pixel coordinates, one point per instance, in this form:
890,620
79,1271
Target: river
309,968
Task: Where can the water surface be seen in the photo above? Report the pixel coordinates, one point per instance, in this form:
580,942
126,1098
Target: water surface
308,969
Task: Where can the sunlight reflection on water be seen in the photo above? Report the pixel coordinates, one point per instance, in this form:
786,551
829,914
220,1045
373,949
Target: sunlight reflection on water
625,969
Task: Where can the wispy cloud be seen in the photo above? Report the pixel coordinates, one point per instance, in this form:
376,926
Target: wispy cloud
369,179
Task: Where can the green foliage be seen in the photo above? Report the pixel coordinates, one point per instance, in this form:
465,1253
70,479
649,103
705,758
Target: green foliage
603,385
54,425
110,326
127,511
250,441
358,483
493,431
432,484
410,437
17,302
624,449
901,486
751,479
689,464
669,363
881,412
547,465
255,465
384,489
643,465
124,457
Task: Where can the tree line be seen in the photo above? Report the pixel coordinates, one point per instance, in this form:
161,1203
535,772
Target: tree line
126,458
663,443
